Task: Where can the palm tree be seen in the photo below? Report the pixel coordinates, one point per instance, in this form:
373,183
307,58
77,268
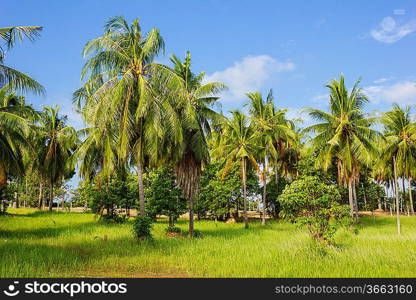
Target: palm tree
15,80
400,150
55,144
193,107
121,75
344,135
271,128
14,131
238,142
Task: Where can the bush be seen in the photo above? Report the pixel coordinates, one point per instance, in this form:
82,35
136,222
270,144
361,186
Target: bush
114,219
197,233
173,229
310,202
142,227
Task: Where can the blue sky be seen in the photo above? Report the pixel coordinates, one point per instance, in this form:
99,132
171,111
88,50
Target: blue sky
294,47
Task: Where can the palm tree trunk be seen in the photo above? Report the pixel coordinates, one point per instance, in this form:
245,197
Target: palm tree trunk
40,195
397,196
355,202
263,217
51,197
412,210
350,200
141,188
3,176
404,195
243,170
188,173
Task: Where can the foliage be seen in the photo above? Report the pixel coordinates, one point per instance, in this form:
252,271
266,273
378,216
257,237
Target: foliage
310,202
142,227
173,229
116,193
196,234
163,196
220,197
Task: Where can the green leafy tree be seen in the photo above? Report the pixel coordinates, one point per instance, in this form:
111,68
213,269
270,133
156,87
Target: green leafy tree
222,197
314,204
163,196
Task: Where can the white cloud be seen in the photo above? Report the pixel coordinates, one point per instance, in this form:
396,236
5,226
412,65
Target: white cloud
389,31
248,75
381,80
402,93
320,99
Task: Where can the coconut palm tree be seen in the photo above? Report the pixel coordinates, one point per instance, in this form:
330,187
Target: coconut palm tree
15,80
344,135
238,142
271,128
121,75
55,144
193,105
400,150
14,130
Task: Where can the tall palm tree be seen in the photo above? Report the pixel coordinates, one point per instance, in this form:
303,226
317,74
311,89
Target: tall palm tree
194,108
344,135
14,130
238,142
400,150
121,74
55,145
17,81
270,126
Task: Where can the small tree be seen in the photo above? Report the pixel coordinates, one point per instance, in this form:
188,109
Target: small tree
163,196
312,202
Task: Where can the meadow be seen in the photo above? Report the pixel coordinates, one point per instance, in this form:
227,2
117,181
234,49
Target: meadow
61,244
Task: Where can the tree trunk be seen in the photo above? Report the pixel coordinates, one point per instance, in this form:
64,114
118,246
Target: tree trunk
355,202
397,196
350,200
51,197
40,195
243,170
412,210
188,172
141,189
3,176
263,217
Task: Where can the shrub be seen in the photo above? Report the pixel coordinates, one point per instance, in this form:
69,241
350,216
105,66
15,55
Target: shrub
310,202
115,219
142,227
197,233
173,229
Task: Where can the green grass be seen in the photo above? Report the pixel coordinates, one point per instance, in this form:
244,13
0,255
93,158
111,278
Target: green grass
58,244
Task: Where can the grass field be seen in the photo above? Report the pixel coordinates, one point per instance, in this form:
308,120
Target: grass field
59,244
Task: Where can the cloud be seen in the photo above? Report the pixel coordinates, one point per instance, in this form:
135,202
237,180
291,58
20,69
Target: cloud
381,80
402,93
248,75
319,23
320,99
389,31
